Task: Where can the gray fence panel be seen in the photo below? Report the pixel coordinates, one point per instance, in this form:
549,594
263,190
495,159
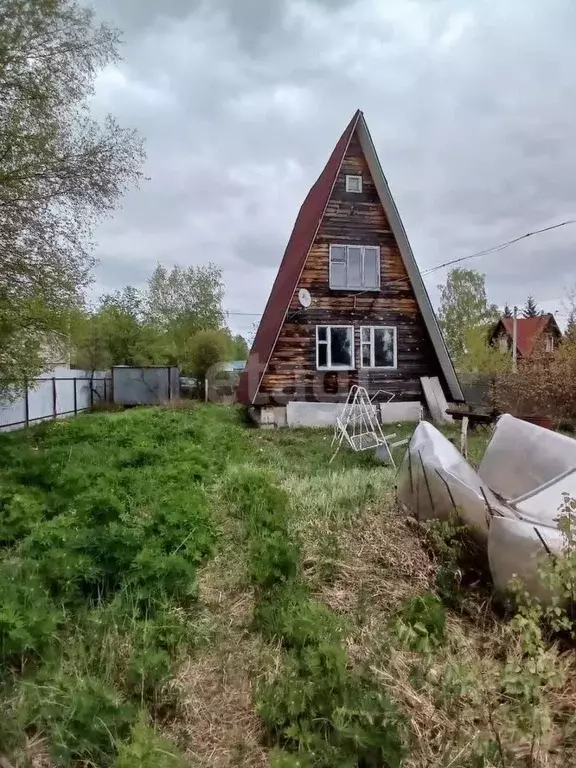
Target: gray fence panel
40,401
13,411
60,394
144,386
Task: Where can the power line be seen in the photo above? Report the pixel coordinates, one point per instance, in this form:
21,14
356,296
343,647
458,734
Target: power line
496,248
431,270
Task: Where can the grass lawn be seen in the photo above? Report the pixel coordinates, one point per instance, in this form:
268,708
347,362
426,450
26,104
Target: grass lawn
179,589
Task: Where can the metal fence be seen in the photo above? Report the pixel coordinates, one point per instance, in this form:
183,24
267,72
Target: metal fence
66,393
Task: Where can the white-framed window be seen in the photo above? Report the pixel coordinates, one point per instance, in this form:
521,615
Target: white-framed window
355,267
549,343
335,347
353,183
378,348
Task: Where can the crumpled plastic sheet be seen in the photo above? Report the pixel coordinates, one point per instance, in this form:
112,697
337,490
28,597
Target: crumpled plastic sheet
544,505
436,482
516,550
522,457
532,468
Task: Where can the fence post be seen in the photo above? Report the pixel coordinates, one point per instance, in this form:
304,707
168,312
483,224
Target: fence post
75,399
169,384
54,399
105,395
26,406
92,391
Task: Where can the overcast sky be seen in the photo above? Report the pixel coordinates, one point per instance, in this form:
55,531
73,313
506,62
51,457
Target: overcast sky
471,104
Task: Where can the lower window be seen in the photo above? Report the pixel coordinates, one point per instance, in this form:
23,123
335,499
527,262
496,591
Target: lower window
335,347
378,347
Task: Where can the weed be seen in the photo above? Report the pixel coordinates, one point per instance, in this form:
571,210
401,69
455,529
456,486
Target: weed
461,561
83,717
291,615
28,620
273,558
421,623
146,749
104,520
319,709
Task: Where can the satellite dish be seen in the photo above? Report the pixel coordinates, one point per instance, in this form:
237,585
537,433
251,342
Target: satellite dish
304,298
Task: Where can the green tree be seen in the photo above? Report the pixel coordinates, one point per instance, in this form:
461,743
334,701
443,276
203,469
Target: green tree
530,308
115,333
123,324
239,348
204,350
60,170
463,305
507,311
479,356
183,301
89,341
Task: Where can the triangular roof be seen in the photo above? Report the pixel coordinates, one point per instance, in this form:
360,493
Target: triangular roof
301,240
528,331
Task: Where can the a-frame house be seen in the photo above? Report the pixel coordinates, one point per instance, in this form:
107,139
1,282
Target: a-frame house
348,304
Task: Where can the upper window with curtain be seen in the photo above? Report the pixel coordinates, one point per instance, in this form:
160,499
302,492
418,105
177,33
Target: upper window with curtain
355,267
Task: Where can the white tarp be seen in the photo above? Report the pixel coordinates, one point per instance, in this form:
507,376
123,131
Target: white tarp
530,468
516,550
544,505
522,457
436,482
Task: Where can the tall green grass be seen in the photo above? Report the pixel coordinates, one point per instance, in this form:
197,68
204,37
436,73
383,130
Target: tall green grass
317,710
104,520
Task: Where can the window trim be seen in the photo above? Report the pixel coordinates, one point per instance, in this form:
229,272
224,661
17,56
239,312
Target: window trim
363,249
372,329
328,343
350,176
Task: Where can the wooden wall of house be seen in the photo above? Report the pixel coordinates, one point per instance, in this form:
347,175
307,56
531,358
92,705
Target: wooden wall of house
355,219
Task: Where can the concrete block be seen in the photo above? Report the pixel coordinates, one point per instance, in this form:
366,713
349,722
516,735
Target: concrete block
313,414
280,417
392,413
267,417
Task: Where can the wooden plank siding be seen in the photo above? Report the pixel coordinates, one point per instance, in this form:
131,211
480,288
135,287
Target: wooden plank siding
355,219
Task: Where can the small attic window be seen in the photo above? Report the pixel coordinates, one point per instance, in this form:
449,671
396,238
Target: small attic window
353,183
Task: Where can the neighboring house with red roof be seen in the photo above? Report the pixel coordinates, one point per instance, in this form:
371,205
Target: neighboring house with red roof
348,305
535,335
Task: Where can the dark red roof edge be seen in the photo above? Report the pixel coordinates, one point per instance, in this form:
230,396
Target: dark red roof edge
301,240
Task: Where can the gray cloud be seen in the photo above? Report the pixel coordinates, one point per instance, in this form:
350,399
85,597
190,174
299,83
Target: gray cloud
471,104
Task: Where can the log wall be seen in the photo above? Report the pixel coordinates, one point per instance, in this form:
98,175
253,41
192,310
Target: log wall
355,219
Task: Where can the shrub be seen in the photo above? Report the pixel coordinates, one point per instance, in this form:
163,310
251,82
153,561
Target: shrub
155,576
460,559
257,499
274,554
147,749
316,707
289,613
273,558
20,511
421,623
82,717
542,385
28,619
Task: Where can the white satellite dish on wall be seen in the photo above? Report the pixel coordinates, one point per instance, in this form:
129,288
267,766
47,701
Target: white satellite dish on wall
304,297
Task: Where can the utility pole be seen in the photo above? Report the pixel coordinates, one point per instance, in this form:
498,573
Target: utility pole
514,339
